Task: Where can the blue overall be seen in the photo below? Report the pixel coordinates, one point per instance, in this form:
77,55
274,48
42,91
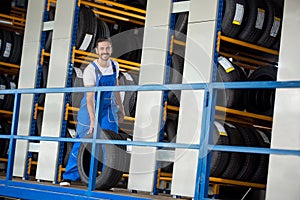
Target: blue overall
109,119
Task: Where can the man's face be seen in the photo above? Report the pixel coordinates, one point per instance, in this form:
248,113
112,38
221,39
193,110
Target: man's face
104,50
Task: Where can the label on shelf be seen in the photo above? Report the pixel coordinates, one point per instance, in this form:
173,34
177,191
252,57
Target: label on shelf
128,76
260,18
239,14
7,50
72,132
86,42
275,27
226,64
116,26
78,72
220,128
13,85
2,87
263,136
230,125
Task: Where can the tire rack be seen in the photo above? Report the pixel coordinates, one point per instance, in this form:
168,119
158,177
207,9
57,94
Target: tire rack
211,179
15,21
234,115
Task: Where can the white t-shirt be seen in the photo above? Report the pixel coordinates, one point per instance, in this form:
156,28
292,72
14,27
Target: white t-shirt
89,75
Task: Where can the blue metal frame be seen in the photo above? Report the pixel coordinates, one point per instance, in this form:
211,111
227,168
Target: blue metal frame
165,93
14,188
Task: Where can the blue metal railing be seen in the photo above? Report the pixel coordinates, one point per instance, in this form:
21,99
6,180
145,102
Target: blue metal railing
9,185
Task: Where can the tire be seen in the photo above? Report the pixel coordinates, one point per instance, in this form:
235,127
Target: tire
6,46
4,143
263,138
44,75
171,129
128,97
251,160
16,48
39,122
261,101
111,161
51,17
87,25
181,26
273,25
230,98
77,81
236,159
3,86
233,17
219,160
254,22
8,103
175,78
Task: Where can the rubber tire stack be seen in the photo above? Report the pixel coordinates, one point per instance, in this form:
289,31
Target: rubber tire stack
253,21
249,167
113,160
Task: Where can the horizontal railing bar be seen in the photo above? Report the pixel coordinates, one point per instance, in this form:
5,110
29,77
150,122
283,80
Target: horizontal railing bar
226,148
259,150
163,87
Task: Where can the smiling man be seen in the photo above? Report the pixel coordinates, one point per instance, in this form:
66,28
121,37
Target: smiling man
101,72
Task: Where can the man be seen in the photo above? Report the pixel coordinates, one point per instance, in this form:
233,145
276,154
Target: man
101,72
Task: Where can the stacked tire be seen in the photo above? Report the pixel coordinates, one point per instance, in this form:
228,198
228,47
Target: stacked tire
259,101
229,72
251,167
5,129
10,46
7,82
90,27
113,161
253,21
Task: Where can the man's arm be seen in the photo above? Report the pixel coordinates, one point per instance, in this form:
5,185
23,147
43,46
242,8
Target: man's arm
90,101
118,100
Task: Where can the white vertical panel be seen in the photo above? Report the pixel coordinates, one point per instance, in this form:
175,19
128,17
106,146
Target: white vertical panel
57,77
284,174
27,77
148,108
197,69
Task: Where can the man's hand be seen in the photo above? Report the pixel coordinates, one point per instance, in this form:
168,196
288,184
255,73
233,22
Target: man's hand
91,130
121,115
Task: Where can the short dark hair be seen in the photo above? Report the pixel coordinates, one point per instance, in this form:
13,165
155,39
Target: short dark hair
103,39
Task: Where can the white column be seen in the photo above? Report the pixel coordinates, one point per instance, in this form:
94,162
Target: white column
149,103
27,78
57,77
284,171
197,69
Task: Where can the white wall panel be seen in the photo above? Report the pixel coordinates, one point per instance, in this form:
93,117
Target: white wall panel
149,104
27,78
197,69
284,173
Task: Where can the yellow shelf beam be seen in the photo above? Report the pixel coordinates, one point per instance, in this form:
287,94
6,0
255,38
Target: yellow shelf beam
246,44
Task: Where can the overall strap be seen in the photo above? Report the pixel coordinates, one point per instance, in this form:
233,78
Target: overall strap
114,67
97,72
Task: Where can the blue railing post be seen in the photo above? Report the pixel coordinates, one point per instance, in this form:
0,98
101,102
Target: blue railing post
12,141
95,147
